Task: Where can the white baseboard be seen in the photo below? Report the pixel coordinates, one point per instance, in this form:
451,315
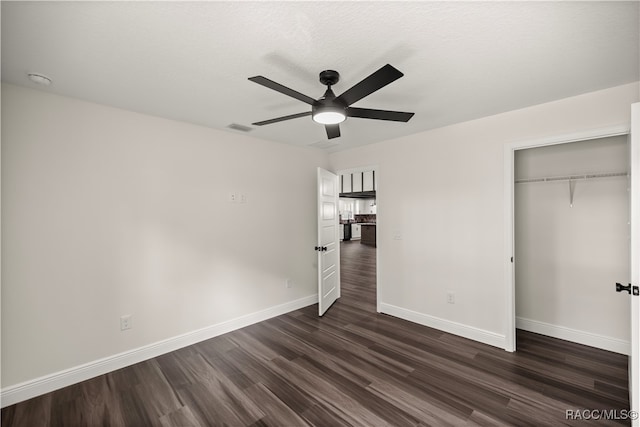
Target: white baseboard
466,331
29,389
574,335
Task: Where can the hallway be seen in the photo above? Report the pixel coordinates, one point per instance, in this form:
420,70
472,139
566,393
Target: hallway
358,275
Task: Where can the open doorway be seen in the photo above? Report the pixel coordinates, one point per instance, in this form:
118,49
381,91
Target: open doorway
357,207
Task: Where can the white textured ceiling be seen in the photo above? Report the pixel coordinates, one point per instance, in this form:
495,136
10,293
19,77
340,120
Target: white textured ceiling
190,61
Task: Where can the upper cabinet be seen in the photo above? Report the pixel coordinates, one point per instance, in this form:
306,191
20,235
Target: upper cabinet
346,183
358,182
367,181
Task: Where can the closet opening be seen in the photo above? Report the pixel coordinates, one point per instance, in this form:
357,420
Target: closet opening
571,235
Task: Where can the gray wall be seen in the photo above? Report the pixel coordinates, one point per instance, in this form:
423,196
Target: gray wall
441,207
108,212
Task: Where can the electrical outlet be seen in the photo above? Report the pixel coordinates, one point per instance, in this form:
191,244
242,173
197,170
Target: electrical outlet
242,198
125,322
451,298
233,197
288,284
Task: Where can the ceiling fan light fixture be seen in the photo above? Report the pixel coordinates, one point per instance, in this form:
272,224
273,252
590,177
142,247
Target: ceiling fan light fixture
328,116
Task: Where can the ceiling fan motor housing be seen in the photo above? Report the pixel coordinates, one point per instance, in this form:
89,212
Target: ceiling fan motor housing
328,101
328,106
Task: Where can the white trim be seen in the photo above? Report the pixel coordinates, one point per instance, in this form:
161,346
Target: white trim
466,331
574,335
509,242
509,252
634,209
378,239
571,137
48,383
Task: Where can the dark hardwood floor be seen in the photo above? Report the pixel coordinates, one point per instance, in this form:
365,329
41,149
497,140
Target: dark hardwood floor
352,367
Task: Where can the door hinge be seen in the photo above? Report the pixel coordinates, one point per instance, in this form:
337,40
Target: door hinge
320,248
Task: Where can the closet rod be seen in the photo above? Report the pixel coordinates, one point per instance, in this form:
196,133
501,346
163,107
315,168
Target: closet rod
572,177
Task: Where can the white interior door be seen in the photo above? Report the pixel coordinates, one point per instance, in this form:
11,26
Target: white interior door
328,243
634,353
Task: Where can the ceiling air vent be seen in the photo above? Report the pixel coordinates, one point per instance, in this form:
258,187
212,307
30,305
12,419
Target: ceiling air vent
241,128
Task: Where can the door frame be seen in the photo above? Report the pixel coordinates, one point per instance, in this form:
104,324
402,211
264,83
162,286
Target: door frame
377,188
634,212
509,212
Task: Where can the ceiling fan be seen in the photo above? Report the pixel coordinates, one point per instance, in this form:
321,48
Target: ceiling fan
331,110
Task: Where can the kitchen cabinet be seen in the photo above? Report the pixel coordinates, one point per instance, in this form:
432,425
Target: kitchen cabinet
367,181
356,181
356,231
346,182
368,234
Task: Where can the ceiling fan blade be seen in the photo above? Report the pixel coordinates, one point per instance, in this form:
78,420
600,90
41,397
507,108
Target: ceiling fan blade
282,89
375,81
368,113
333,131
281,119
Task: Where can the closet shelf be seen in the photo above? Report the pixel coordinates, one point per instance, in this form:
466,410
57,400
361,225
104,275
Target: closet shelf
572,177
572,180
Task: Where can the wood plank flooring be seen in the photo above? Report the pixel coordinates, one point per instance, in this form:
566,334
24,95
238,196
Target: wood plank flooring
352,367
